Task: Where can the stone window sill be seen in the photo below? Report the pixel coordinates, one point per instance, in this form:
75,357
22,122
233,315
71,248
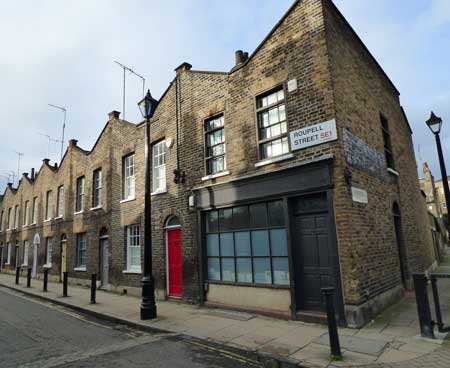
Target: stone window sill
48,265
128,200
80,269
48,220
24,265
217,175
58,218
79,212
136,272
393,172
96,208
274,159
159,191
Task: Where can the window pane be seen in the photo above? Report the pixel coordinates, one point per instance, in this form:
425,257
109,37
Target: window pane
258,215
244,269
282,112
212,245
260,243
240,217
226,245
212,224
213,269
228,272
261,269
242,240
276,213
280,271
225,219
278,241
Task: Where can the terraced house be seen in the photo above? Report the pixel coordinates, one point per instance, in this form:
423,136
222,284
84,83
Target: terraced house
292,171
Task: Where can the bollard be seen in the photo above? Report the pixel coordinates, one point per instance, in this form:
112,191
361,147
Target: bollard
45,279
335,346
423,305
93,287
28,277
65,279
17,275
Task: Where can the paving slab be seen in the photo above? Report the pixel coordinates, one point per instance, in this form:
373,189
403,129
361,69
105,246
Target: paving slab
356,344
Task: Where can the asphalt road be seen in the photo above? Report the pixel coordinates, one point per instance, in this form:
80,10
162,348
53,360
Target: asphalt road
37,334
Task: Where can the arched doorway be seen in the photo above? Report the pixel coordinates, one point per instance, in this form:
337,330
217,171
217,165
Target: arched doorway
36,243
104,258
174,258
63,257
399,239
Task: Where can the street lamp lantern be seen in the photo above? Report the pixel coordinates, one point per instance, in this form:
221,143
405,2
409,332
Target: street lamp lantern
434,123
148,307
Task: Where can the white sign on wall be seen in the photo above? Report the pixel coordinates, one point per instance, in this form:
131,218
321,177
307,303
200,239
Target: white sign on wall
359,195
313,135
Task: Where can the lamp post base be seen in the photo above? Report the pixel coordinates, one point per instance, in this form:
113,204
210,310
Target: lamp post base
148,306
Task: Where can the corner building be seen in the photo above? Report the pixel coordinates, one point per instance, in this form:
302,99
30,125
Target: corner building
293,171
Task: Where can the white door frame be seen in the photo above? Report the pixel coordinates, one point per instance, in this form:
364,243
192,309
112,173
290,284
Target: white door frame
36,243
166,230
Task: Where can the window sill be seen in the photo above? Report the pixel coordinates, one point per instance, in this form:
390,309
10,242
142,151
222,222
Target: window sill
48,220
136,272
159,191
245,284
213,176
58,218
274,159
80,269
33,224
48,265
393,172
24,265
128,200
79,212
7,264
96,208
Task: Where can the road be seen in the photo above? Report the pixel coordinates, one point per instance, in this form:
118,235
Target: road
39,334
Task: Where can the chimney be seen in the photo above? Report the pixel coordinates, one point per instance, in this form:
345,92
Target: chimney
9,185
114,115
25,175
46,161
183,67
55,165
245,57
239,57
73,143
32,173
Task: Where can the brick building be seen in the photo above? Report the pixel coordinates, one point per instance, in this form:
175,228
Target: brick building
441,195
293,171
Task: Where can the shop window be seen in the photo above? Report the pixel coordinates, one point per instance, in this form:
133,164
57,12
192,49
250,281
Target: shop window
247,244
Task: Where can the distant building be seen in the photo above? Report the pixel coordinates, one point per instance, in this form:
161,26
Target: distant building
441,195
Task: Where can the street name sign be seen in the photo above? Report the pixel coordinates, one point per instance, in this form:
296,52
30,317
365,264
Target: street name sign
313,135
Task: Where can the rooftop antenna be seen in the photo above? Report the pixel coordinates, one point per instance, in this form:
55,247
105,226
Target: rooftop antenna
126,68
19,155
50,139
64,110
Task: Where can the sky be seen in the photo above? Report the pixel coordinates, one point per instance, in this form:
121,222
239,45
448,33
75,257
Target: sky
63,53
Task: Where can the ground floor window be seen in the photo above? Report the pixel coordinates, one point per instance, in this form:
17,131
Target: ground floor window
81,250
8,254
48,251
26,252
247,244
133,248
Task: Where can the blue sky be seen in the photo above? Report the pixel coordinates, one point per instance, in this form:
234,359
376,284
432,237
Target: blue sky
63,52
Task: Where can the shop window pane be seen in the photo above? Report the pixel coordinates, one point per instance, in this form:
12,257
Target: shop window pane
278,242
258,215
212,224
225,219
226,245
276,213
212,245
228,272
240,217
244,269
261,269
242,240
280,271
260,243
213,268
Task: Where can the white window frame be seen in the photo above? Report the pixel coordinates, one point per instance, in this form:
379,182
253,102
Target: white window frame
159,167
26,252
35,210
1,220
80,192
8,254
16,216
133,242
49,205
48,252
26,218
60,202
81,246
8,225
97,188
129,177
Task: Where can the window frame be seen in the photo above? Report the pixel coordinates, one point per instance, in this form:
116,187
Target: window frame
260,110
206,133
8,253
8,225
81,239
48,250
26,215
34,217
60,202
97,190
387,142
80,194
1,220
125,184
155,189
49,205
26,252
129,236
16,217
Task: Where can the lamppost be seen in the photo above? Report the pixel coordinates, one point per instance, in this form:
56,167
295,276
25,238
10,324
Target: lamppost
148,307
435,124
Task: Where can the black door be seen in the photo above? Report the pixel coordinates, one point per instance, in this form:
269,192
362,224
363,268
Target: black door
313,253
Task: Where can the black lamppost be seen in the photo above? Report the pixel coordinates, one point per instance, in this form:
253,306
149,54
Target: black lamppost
148,307
435,123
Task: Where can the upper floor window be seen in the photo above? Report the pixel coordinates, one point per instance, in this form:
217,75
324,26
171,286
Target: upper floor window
79,205
97,188
8,224
272,124
1,221
48,206
35,210
387,143
81,250
16,217
60,202
26,216
133,248
159,166
215,153
128,177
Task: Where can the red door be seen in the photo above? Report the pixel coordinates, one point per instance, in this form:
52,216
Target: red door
175,263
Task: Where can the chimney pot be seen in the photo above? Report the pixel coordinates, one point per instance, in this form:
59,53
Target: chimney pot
32,173
46,160
25,174
183,67
9,185
55,165
73,142
245,57
114,115
239,54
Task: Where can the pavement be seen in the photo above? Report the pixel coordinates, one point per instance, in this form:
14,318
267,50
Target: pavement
391,340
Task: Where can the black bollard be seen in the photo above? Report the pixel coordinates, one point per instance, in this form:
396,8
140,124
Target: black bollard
93,287
335,346
45,279
65,279
423,305
17,275
29,277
